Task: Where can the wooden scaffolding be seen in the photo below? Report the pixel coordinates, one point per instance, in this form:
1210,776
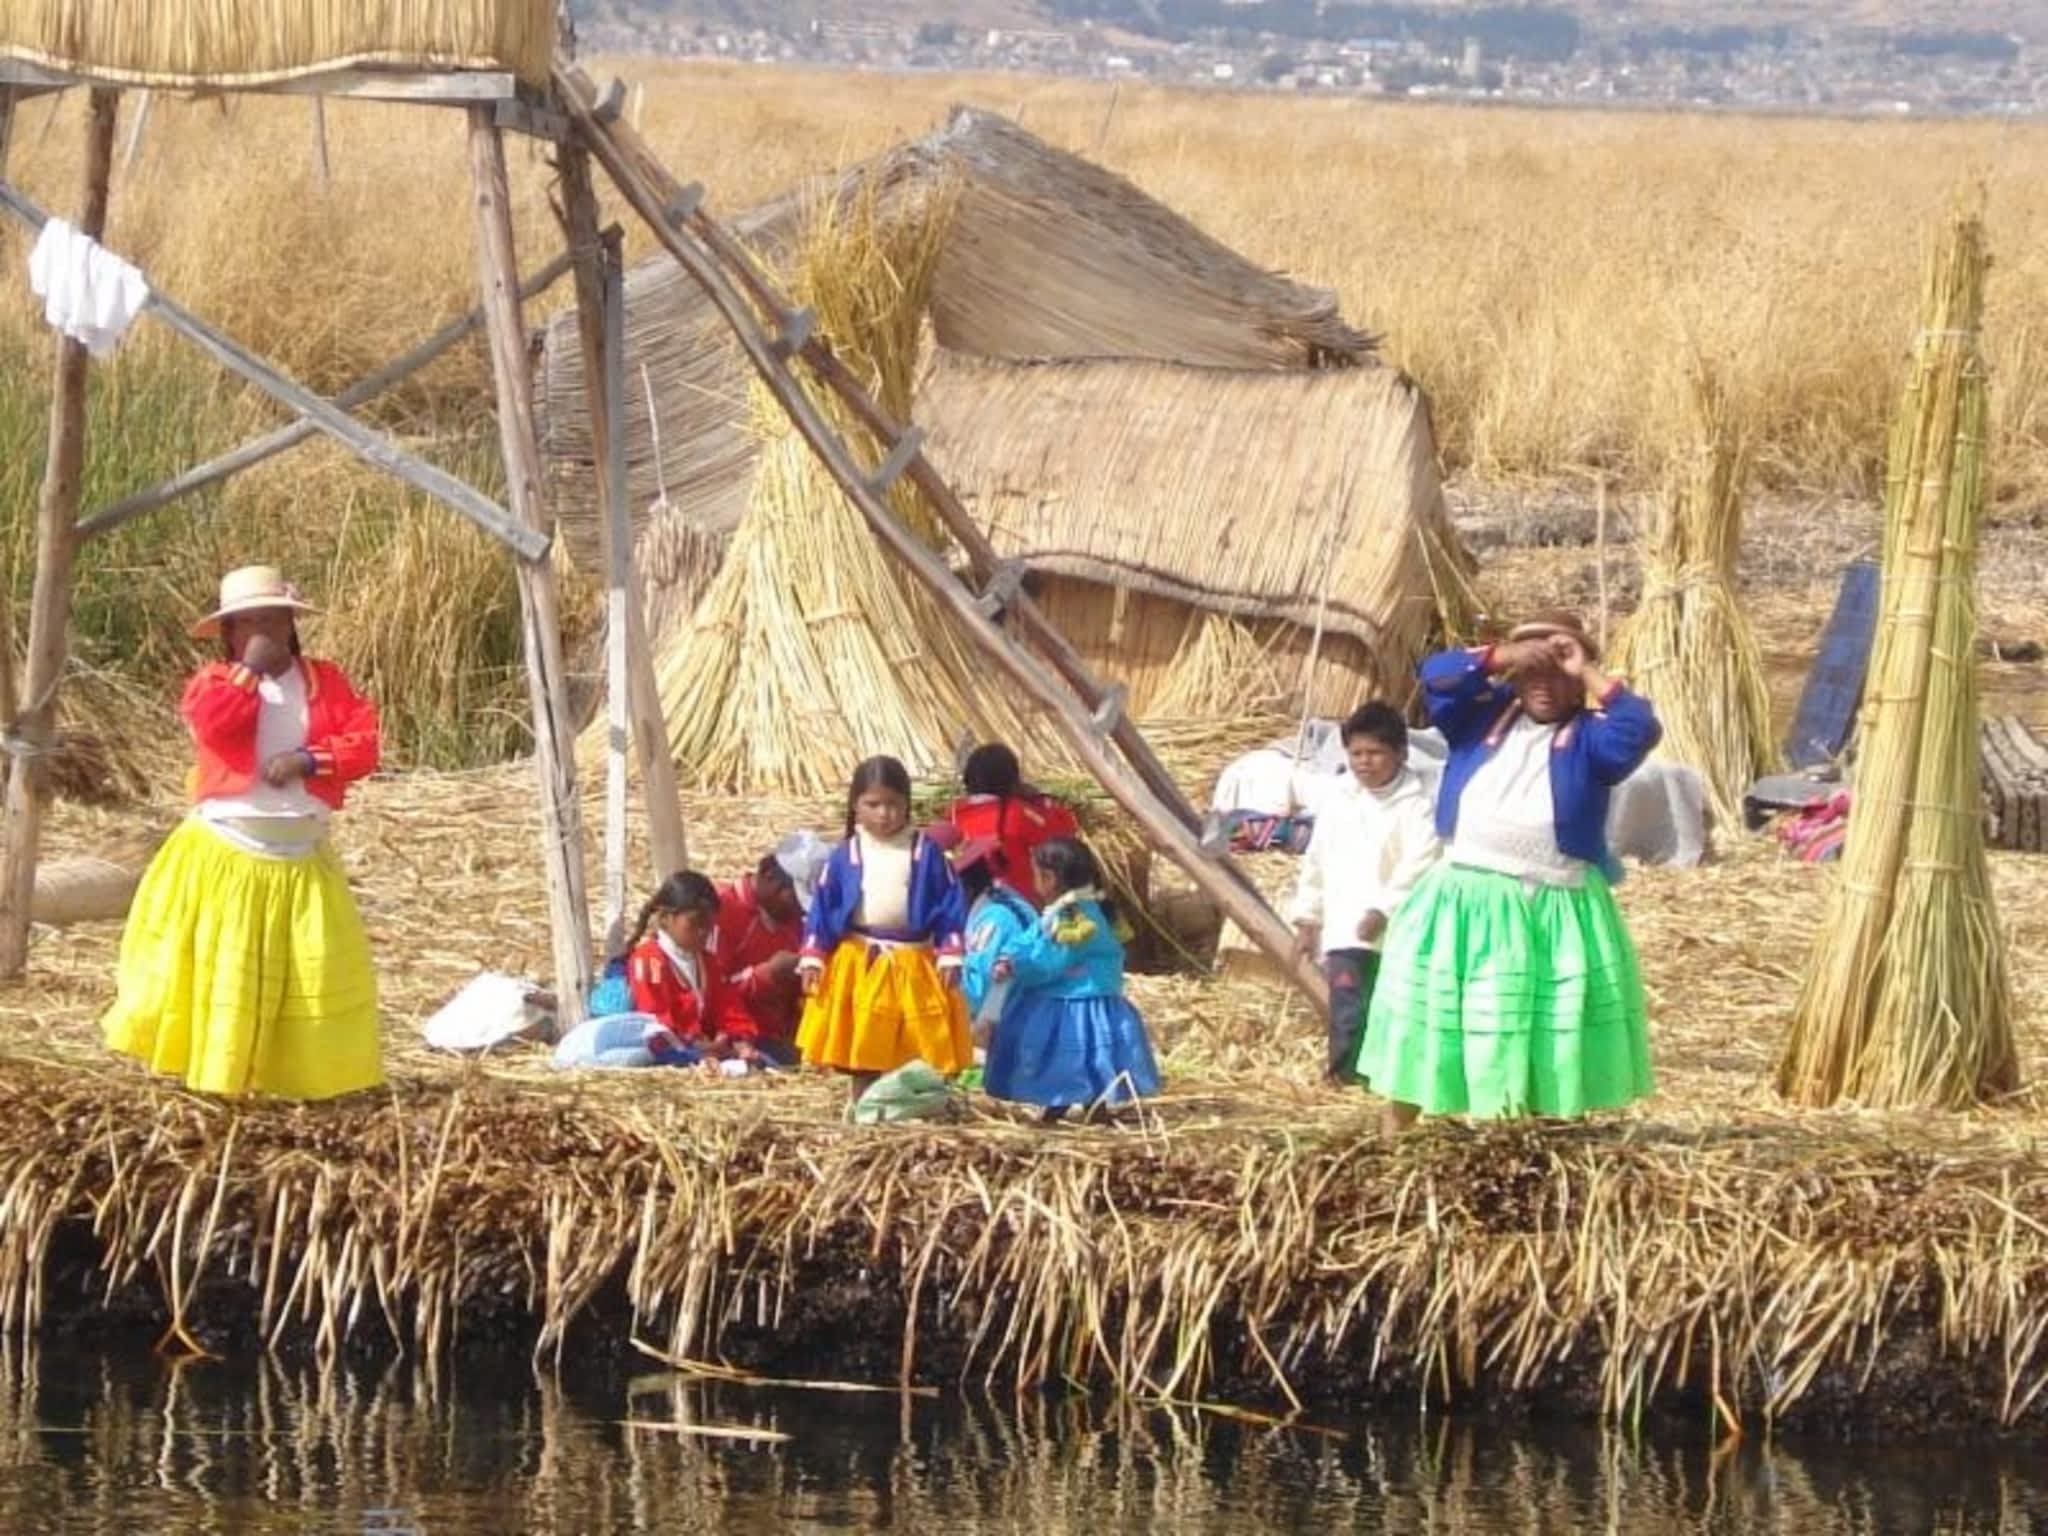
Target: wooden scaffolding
586,130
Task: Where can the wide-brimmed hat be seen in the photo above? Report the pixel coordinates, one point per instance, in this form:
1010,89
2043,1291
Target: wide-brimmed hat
1557,621
803,856
251,589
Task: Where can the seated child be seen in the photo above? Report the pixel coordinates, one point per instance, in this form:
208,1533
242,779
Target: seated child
1375,837
999,804
881,956
760,930
1068,1037
672,976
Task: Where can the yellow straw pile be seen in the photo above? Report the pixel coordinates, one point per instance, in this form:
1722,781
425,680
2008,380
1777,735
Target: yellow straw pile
1689,646
811,649
1906,1002
248,42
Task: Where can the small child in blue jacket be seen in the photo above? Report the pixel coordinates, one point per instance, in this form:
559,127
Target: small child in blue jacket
1068,1037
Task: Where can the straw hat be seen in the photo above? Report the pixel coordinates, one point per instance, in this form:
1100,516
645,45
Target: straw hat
252,589
1557,621
803,856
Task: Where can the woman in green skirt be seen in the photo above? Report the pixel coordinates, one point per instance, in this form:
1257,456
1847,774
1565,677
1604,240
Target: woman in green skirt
1508,985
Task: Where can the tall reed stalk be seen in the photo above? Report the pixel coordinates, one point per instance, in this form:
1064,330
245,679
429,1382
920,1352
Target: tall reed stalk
1689,646
1906,1001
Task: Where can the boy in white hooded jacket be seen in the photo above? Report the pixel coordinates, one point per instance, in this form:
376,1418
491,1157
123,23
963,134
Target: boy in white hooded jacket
1375,837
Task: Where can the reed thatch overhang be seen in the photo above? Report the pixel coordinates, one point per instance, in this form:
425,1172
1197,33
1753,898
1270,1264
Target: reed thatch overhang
1293,496
1048,258
184,44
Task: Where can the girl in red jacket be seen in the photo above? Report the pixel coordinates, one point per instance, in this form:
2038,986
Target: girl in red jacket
673,976
244,967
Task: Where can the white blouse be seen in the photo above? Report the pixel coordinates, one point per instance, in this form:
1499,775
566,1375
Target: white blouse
1507,821
885,868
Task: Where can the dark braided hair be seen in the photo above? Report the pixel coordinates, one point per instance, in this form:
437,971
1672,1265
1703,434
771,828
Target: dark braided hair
683,891
1072,865
992,769
876,773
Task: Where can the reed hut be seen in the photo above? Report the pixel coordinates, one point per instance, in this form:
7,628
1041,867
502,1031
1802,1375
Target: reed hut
1201,467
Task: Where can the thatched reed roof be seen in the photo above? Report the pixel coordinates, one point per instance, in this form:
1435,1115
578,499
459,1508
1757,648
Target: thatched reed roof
1047,258
176,44
1266,495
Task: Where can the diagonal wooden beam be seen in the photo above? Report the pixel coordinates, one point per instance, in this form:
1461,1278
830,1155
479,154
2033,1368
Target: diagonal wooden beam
1064,705
370,446
257,449
682,210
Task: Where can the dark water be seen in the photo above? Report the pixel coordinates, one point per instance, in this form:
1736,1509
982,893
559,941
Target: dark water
108,1443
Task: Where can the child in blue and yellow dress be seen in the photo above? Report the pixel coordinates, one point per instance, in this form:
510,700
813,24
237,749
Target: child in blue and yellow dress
1509,985
1068,1037
882,943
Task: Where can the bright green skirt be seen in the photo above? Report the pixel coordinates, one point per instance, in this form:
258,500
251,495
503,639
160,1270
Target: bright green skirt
1498,998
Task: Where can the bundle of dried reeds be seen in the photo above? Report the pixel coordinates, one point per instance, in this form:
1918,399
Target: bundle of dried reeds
247,42
810,649
1906,999
1222,671
1689,645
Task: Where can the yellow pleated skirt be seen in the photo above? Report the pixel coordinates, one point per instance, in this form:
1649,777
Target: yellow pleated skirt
245,974
877,1014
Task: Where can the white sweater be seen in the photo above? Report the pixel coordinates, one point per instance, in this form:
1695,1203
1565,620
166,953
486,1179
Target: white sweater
1369,848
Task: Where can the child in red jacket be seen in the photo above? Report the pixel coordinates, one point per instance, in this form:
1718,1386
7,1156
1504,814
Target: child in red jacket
673,977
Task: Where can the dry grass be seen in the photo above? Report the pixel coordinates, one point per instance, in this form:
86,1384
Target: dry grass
1542,274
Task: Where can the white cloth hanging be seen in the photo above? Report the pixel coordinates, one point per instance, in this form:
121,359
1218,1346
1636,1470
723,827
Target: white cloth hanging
88,292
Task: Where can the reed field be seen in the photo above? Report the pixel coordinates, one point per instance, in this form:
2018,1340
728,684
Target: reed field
1547,277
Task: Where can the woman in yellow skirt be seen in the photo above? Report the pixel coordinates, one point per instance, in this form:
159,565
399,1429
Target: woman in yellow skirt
882,943
244,967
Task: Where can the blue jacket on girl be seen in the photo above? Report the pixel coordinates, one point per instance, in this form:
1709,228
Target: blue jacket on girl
1070,953
936,913
997,919
1594,751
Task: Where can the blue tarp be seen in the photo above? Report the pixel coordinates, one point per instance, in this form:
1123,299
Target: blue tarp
1827,707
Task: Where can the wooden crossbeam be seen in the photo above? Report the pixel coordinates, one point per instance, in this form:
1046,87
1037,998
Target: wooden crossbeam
289,436
1002,589
371,446
1221,881
454,88
890,470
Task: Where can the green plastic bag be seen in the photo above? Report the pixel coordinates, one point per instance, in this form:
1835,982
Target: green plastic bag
911,1092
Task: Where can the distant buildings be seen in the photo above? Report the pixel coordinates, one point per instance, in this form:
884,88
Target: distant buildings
1847,70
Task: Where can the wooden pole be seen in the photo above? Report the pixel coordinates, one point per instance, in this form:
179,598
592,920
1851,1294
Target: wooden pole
601,321
34,729
7,101
1600,552
554,754
135,129
320,140
1088,735
658,200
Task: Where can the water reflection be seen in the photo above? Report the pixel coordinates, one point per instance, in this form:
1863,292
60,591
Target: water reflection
110,1442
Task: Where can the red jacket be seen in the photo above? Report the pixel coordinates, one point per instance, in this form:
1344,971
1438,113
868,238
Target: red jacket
693,1017
745,940
1019,823
220,708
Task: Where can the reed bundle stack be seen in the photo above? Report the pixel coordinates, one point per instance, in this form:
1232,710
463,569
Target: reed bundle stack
1689,646
810,650
177,43
1906,1001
